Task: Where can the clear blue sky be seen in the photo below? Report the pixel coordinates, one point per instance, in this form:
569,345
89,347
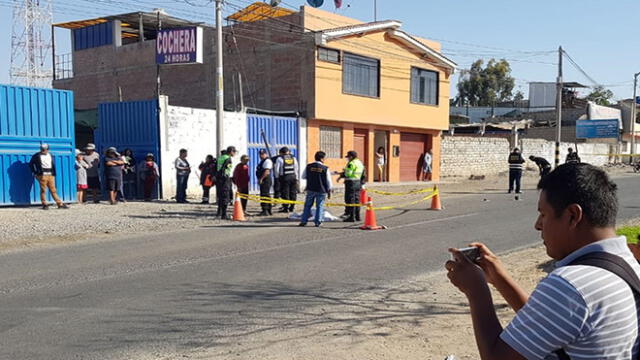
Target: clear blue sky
601,36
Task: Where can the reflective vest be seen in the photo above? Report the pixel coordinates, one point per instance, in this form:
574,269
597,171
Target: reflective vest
260,169
354,170
224,166
516,161
289,165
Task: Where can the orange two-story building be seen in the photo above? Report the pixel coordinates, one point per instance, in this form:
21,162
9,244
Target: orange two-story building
361,86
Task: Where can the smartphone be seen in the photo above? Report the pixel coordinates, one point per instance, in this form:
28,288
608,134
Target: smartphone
472,253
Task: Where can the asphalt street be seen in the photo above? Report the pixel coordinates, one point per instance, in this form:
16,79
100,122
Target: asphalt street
174,292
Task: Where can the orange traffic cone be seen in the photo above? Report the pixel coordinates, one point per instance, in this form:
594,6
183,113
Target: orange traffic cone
435,200
370,221
363,196
238,213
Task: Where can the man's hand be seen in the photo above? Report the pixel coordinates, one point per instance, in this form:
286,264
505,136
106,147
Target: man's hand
490,264
464,274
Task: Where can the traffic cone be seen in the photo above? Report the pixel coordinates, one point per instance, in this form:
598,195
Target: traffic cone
435,200
238,213
363,196
370,221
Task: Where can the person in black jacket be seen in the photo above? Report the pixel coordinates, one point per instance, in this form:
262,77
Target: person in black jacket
43,167
516,166
543,165
318,179
207,177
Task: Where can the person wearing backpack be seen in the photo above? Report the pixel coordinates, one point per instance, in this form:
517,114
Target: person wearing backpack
149,174
585,308
207,177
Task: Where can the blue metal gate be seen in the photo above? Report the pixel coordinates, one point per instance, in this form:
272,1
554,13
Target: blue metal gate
133,124
279,131
28,118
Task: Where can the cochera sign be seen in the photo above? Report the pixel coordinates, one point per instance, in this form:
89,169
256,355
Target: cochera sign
179,46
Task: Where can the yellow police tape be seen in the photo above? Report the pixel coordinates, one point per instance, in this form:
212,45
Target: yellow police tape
272,201
412,192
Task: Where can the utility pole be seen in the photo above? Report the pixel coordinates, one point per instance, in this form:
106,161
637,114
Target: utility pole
375,10
633,117
219,80
559,86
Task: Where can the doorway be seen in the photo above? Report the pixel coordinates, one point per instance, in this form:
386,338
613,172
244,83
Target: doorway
361,144
381,166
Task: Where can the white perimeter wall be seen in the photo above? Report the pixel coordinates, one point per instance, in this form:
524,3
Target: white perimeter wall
195,130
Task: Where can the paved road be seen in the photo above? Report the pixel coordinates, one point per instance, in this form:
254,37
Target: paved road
165,293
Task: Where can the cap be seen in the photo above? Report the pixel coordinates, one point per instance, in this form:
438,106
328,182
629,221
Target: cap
78,152
149,155
262,151
90,146
44,146
352,154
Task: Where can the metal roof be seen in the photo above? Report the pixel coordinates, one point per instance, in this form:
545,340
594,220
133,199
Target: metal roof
259,11
149,20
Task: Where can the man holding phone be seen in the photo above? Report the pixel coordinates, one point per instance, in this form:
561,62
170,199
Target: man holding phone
585,308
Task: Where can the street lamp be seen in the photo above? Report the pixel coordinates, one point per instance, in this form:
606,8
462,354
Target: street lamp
633,117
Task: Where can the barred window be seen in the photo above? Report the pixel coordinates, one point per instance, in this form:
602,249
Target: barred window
361,75
331,141
424,86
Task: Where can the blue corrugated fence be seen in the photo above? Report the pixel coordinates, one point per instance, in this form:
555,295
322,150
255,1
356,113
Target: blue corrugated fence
279,131
28,118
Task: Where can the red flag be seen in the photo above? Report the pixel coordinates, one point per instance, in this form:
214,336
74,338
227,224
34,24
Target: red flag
338,4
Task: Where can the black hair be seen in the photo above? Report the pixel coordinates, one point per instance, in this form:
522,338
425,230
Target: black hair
585,185
284,150
381,148
182,151
127,150
320,155
210,158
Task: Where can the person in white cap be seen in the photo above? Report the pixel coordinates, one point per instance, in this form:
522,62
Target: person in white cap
43,166
113,173
93,176
81,175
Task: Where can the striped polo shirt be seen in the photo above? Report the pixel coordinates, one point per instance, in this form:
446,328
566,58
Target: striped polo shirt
588,311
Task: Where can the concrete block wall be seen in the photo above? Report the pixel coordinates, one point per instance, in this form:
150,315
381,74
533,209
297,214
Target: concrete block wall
465,156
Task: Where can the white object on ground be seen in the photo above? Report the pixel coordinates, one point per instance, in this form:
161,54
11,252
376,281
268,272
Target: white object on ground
327,216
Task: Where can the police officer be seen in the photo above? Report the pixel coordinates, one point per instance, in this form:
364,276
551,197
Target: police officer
543,165
263,174
516,165
286,170
223,181
572,157
353,176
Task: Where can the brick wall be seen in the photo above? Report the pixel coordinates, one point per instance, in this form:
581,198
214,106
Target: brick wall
465,156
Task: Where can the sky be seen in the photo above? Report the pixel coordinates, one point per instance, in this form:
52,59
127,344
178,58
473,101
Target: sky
600,36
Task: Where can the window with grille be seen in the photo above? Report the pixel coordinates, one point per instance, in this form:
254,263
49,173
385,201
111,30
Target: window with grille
331,141
329,55
424,86
360,75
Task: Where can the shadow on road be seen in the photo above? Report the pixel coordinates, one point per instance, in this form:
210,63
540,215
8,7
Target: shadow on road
218,316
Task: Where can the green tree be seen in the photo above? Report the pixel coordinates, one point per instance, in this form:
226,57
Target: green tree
486,85
600,95
519,96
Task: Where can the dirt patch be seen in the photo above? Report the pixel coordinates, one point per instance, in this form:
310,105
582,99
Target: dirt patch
424,318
